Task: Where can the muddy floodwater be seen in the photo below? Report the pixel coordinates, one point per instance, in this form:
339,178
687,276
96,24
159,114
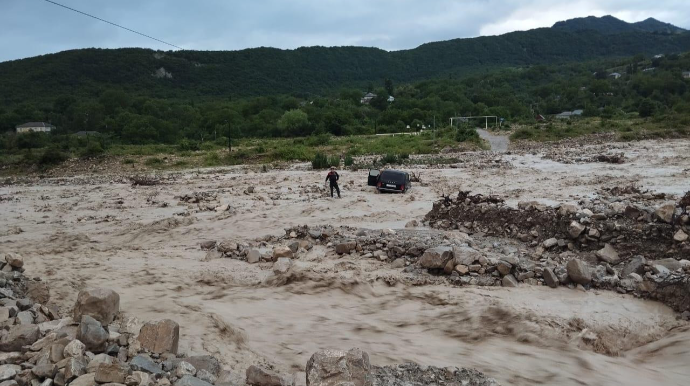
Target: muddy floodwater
143,242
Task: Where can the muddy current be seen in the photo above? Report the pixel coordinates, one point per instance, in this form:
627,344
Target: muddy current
143,242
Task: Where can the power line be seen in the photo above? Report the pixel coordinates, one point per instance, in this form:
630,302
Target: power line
116,25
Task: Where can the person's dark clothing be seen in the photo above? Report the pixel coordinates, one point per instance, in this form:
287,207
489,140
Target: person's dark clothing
333,178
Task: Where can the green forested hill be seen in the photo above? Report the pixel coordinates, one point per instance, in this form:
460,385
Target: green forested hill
611,25
315,70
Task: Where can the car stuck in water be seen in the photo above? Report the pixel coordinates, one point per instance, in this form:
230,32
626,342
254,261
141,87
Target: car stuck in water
389,180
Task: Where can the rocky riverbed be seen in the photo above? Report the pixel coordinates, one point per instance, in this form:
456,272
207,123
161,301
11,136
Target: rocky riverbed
260,268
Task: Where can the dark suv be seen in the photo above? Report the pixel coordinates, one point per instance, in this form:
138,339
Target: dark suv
389,180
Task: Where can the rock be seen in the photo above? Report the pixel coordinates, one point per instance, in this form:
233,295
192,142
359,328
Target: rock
145,364
665,212
258,376
567,209
339,368
608,255
346,247
398,263
189,380
14,260
462,269
504,267
99,303
84,380
660,270
184,368
635,265
253,256
670,263
466,255
38,291
282,266
160,337
550,243
227,247
448,269
115,372
74,349
19,336
680,236
575,229
97,361
279,252
206,245
45,370
24,304
9,371
579,272
436,258
412,224
509,281
76,367
550,278
138,378
9,382
203,362
11,358
92,334
25,317
294,246
206,376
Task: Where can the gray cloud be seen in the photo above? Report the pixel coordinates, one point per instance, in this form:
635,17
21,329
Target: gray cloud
34,27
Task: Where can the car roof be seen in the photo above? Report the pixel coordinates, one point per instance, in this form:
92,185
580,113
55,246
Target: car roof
393,171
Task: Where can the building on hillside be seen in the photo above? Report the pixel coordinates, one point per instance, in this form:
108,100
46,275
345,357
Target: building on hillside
659,56
650,69
615,75
36,127
577,113
686,74
367,98
391,99
564,115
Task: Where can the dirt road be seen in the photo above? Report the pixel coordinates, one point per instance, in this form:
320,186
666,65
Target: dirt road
143,242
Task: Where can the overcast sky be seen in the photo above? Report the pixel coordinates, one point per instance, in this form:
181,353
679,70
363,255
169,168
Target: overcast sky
36,27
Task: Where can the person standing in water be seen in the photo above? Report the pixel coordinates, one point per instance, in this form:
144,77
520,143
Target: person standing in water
333,178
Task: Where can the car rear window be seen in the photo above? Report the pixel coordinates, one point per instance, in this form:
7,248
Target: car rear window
396,178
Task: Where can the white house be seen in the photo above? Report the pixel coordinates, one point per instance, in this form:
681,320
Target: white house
615,75
391,99
35,127
367,98
686,74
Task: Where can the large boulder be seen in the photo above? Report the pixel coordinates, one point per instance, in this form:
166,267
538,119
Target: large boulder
74,349
160,337
19,336
282,266
201,362
101,304
436,258
114,372
670,263
14,260
76,367
339,368
608,255
257,376
189,380
665,212
509,281
345,247
92,334
575,229
279,252
84,380
550,278
579,272
465,255
145,364
635,265
9,371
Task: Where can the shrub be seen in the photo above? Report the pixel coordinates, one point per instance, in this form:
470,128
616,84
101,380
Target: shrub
93,149
188,145
320,161
334,161
524,133
52,156
349,161
464,135
389,159
128,161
